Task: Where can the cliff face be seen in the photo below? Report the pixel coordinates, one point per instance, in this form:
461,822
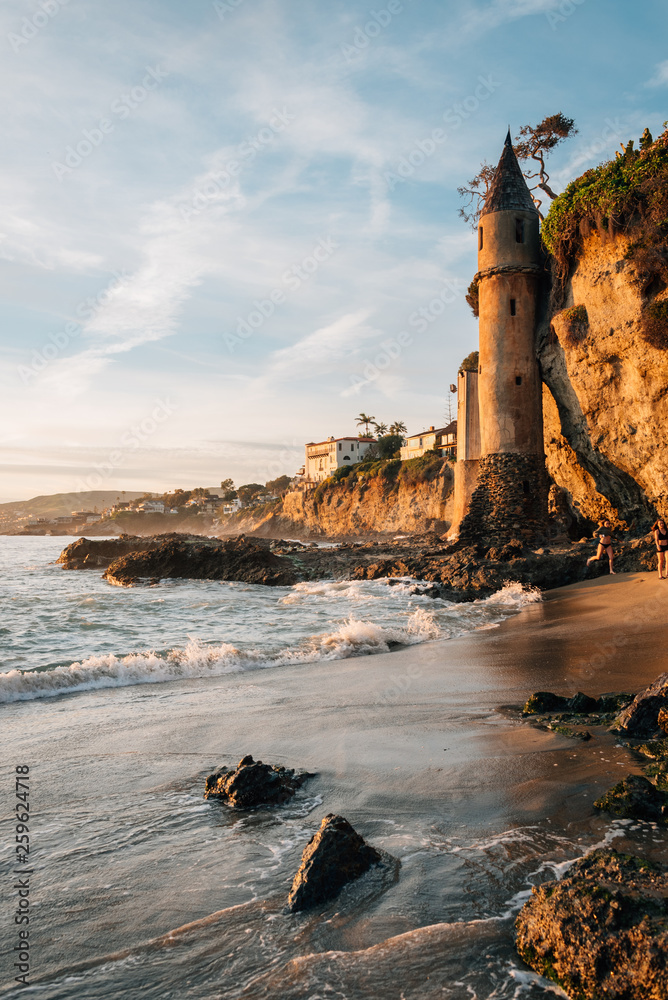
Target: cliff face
606,390
370,507
375,507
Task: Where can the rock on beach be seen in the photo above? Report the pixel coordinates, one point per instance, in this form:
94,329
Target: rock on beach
602,931
334,856
252,783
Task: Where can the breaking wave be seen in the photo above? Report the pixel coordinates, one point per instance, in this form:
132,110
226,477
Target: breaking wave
353,638
197,659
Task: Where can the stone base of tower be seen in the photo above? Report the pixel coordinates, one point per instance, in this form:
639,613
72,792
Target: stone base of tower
466,478
509,500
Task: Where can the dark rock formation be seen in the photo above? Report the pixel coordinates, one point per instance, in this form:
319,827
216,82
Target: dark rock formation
602,931
641,718
334,856
204,559
98,553
454,572
252,783
545,702
636,798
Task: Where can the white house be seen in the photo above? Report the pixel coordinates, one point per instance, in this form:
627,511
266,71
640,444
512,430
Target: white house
442,439
325,457
232,506
152,507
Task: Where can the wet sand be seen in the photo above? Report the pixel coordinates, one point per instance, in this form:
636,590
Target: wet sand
410,746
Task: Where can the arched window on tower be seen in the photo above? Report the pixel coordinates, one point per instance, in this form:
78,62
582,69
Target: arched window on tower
519,230
479,237
513,307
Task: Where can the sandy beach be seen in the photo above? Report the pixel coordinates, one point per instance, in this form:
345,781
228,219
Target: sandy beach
413,747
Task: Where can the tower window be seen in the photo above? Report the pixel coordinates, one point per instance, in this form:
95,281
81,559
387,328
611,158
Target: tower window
518,380
479,237
526,488
513,307
519,230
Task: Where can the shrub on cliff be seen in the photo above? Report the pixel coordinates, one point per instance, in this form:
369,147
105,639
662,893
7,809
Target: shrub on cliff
628,192
424,469
577,324
655,324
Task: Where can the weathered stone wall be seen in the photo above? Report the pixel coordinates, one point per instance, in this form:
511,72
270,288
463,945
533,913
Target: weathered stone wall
510,500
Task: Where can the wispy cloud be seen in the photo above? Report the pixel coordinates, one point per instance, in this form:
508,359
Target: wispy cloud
660,78
323,351
501,11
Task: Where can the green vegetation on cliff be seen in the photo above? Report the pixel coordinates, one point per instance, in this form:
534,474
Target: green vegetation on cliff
392,471
628,193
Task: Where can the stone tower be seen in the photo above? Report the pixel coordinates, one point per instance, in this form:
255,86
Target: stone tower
510,495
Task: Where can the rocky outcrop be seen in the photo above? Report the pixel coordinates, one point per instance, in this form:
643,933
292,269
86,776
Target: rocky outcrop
252,783
334,856
369,507
580,704
602,931
635,797
641,718
87,553
605,390
235,559
454,572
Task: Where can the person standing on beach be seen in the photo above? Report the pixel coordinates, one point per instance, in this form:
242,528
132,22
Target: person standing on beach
661,538
604,535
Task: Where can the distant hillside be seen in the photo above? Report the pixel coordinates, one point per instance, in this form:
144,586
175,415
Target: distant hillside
61,504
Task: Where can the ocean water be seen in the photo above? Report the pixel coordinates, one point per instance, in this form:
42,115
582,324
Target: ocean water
66,631
121,701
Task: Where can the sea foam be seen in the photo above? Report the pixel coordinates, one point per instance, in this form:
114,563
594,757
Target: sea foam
199,659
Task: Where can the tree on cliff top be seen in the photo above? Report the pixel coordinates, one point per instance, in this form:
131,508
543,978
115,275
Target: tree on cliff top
364,420
534,142
470,363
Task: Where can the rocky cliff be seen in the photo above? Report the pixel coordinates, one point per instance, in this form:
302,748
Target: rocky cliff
375,506
361,506
603,339
605,388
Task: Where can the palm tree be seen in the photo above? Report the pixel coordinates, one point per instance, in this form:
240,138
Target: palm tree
363,419
398,427
380,429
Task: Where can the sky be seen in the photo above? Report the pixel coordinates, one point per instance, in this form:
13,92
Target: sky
228,227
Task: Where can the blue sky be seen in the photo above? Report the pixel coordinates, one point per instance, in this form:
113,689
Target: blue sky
221,220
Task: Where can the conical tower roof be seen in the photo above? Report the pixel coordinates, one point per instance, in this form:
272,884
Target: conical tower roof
508,190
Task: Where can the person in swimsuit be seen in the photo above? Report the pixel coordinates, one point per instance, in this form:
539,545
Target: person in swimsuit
604,535
660,532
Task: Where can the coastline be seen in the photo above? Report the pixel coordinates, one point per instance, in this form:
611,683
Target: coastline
413,747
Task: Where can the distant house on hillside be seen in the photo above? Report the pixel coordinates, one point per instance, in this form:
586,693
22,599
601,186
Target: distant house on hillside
87,516
152,507
442,439
325,457
232,506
